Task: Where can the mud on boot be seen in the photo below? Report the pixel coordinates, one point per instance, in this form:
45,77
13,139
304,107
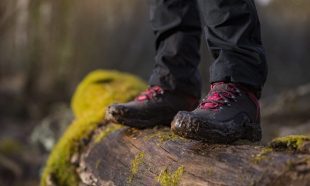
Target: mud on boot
155,106
228,113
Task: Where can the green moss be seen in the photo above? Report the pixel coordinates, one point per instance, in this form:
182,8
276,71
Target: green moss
135,164
290,165
170,179
292,142
210,171
163,136
58,164
262,155
107,130
98,162
98,90
102,88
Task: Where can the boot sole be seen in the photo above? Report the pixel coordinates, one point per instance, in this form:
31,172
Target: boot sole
135,122
186,126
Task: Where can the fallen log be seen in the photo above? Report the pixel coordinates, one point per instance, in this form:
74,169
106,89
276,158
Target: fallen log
95,152
129,156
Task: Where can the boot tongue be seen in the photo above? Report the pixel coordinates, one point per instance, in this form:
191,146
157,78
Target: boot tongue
219,86
149,93
218,95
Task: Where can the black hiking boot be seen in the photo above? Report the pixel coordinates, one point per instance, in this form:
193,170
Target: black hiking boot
154,106
228,113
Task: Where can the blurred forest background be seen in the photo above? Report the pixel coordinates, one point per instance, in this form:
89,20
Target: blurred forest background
48,46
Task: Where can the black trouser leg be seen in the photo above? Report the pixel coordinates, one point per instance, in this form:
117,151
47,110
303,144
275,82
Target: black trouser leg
177,28
232,31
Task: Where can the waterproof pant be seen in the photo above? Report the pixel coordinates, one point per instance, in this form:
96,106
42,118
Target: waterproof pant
232,31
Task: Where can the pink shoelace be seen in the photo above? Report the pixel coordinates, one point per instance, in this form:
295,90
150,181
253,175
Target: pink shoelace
149,93
220,96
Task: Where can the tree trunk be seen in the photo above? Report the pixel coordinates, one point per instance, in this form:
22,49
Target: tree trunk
125,156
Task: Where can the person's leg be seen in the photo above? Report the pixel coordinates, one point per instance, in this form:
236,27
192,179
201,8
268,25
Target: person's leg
176,24
175,82
232,31
230,111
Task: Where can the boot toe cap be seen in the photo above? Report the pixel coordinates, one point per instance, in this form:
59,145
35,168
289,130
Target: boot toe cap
114,111
181,124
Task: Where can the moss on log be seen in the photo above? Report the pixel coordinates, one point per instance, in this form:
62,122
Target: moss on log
93,95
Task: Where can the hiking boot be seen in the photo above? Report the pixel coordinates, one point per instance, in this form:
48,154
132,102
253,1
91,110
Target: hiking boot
155,106
228,113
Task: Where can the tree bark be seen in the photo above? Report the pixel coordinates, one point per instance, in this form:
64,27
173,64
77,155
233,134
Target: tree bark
155,156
